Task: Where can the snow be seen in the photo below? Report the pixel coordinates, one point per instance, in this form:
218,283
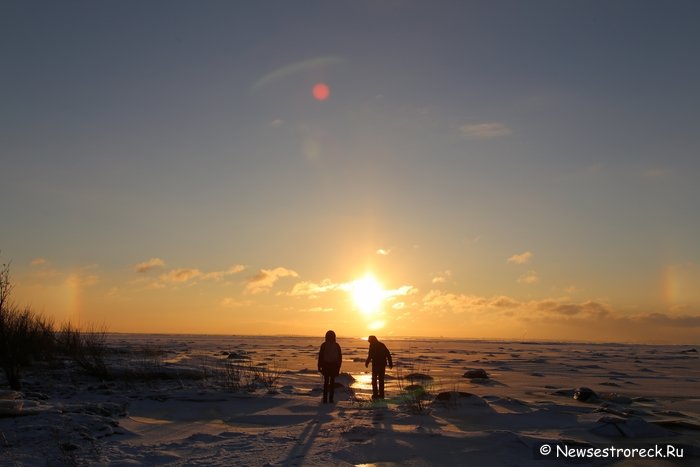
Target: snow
171,402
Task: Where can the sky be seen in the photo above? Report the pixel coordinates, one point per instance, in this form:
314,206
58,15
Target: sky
474,169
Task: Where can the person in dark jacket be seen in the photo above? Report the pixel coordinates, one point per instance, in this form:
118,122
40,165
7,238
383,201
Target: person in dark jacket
380,356
330,357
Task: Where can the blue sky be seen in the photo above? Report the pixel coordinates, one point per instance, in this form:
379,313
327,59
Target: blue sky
514,162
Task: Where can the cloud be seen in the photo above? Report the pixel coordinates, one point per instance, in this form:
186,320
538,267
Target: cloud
666,320
278,122
229,302
218,275
266,278
587,320
81,279
400,292
181,275
149,265
504,302
442,277
459,303
529,278
521,258
589,308
312,289
596,312
486,130
46,273
318,309
446,301
383,252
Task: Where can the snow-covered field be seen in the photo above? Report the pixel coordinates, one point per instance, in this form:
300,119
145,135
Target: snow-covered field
232,400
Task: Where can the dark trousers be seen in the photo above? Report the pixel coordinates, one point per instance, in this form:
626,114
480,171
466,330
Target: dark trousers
378,373
328,388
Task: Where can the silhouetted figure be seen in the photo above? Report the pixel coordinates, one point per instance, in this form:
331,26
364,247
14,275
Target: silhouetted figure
330,357
380,356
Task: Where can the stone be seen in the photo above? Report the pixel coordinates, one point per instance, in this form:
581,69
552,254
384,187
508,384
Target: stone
476,373
585,394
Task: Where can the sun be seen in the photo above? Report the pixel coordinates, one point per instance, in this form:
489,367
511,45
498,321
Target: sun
368,294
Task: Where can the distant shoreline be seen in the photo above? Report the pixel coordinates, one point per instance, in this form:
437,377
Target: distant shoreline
412,338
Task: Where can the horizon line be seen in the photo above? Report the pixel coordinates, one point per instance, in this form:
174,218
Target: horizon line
474,339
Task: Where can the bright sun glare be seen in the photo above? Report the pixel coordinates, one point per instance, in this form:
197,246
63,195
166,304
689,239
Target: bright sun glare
367,294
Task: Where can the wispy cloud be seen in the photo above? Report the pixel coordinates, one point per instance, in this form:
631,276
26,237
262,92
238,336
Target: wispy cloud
439,300
81,278
591,319
442,277
504,302
188,274
589,308
383,252
447,301
529,277
546,308
181,275
318,309
149,265
229,302
219,275
266,278
667,320
486,130
44,273
521,258
312,289
400,292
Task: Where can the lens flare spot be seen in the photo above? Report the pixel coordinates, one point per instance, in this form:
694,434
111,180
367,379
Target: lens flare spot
321,91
